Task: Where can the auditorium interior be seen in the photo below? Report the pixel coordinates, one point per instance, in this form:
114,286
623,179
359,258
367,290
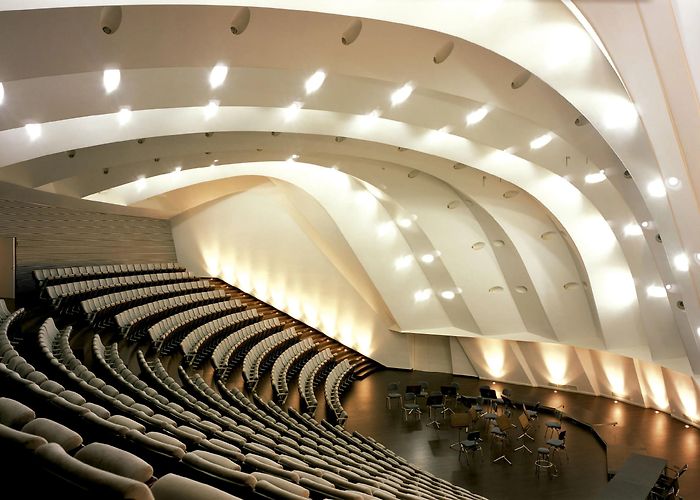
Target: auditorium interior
350,249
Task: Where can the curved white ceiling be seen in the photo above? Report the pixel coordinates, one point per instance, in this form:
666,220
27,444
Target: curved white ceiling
164,82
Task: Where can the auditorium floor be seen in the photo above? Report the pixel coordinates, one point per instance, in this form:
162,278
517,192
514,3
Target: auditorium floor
582,477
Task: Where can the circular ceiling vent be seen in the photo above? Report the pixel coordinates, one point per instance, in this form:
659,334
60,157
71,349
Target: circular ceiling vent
443,52
459,166
495,289
548,235
413,174
339,138
520,80
571,285
352,32
580,121
499,243
680,305
240,21
401,149
521,289
478,245
453,204
275,134
658,238
627,174
511,194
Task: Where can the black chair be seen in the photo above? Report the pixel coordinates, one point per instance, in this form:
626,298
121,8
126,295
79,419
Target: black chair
435,402
471,445
450,394
668,485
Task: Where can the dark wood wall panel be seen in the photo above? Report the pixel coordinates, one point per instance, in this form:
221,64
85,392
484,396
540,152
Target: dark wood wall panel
49,236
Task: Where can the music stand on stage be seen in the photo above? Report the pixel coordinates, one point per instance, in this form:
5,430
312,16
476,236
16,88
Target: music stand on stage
489,396
448,391
415,389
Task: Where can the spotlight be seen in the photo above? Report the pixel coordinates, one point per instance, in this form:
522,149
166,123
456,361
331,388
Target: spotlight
124,115
211,109
110,19
476,116
541,141
315,81
443,52
292,111
240,20
401,94
33,130
352,32
217,76
111,79
656,188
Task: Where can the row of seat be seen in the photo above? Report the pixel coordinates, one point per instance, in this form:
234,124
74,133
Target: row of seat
126,319
64,465
4,311
99,305
42,276
261,350
336,382
231,322
308,376
283,364
194,315
58,293
225,352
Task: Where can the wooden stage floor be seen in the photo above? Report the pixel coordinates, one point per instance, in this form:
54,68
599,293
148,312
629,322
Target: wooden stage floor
637,430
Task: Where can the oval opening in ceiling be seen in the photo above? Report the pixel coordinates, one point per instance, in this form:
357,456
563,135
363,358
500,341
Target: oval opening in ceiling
453,204
478,245
521,289
499,243
571,285
549,235
495,289
413,173
511,194
459,166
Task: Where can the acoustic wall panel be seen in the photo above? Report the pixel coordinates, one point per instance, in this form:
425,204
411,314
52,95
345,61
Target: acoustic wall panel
49,236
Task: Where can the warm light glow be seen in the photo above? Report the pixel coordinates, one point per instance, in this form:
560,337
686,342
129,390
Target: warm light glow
618,289
616,377
365,198
595,178
226,274
422,295
656,189
370,118
294,307
673,182
177,170
211,109
656,291
141,183
217,76
632,230
33,130
211,262
428,258
315,81
495,358
124,115
556,363
447,294
620,113
681,262
688,401
541,141
111,79
404,222
658,389
668,286
2,93
599,238
697,331
346,336
400,95
645,224
292,111
476,116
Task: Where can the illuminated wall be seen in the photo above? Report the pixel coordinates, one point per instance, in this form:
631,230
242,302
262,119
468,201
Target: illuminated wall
263,243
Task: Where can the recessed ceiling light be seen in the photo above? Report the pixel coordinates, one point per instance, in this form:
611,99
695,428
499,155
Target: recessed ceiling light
656,189
595,178
645,224
217,76
33,130
111,79
476,116
632,230
141,183
681,262
403,262
668,286
673,182
2,93
447,294
404,222
292,111
428,258
369,118
541,141
656,291
211,109
124,115
314,82
422,295
401,94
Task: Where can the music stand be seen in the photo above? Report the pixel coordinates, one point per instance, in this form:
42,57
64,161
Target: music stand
415,389
448,391
489,395
433,401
